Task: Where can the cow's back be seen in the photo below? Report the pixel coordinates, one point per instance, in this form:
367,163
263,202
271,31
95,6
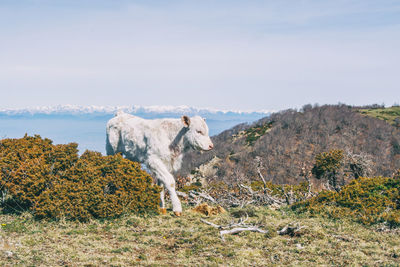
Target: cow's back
117,130
129,135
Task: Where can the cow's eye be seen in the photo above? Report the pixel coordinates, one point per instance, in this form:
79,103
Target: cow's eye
199,132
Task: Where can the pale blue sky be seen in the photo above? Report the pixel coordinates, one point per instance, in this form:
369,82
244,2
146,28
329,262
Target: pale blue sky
247,55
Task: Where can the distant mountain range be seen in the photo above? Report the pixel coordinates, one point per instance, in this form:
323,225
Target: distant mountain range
144,111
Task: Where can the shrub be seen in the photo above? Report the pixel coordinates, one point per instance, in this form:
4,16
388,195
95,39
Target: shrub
28,166
327,163
328,166
53,181
366,200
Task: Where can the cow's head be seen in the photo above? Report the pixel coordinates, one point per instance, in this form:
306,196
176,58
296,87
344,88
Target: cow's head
197,133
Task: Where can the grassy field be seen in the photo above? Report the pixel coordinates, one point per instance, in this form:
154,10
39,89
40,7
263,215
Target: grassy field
165,240
386,114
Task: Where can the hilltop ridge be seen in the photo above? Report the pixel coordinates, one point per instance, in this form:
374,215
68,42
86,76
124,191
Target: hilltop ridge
286,141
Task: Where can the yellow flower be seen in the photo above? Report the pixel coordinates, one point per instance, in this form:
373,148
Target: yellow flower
164,237
3,224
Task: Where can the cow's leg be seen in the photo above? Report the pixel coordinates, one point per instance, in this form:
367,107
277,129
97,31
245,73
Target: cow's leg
163,175
112,141
176,203
162,198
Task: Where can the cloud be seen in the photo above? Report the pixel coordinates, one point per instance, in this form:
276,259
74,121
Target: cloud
236,54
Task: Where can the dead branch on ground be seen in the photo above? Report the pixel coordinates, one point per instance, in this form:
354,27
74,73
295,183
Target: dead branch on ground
235,227
195,198
262,197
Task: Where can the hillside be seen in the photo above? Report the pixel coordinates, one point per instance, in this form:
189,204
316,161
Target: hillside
358,225
390,115
286,141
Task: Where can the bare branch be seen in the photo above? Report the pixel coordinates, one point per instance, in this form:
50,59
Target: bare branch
207,197
235,228
196,195
212,224
259,165
248,188
182,194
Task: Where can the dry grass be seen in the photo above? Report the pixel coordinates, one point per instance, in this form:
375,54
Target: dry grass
185,241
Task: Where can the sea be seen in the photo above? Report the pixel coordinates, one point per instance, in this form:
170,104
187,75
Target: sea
86,125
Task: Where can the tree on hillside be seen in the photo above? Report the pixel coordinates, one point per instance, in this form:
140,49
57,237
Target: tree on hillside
328,166
359,165
338,167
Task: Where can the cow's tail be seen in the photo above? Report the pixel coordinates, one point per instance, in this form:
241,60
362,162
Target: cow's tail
113,140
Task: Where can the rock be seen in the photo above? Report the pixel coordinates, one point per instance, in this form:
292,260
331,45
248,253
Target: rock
8,254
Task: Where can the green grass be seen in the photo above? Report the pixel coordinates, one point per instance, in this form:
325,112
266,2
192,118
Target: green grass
185,241
386,114
254,133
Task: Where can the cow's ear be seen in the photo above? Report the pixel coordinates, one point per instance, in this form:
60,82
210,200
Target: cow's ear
185,120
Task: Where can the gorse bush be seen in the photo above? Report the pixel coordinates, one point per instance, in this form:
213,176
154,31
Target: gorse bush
366,200
327,166
28,166
100,187
328,163
53,181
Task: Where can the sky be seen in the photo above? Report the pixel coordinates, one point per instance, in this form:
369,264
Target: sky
238,55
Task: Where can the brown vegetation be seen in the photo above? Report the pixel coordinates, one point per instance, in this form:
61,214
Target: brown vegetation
208,210
293,141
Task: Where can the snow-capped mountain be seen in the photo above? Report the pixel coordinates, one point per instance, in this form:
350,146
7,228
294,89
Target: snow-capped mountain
135,109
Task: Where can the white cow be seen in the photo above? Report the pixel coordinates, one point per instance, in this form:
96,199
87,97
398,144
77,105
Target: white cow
159,144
